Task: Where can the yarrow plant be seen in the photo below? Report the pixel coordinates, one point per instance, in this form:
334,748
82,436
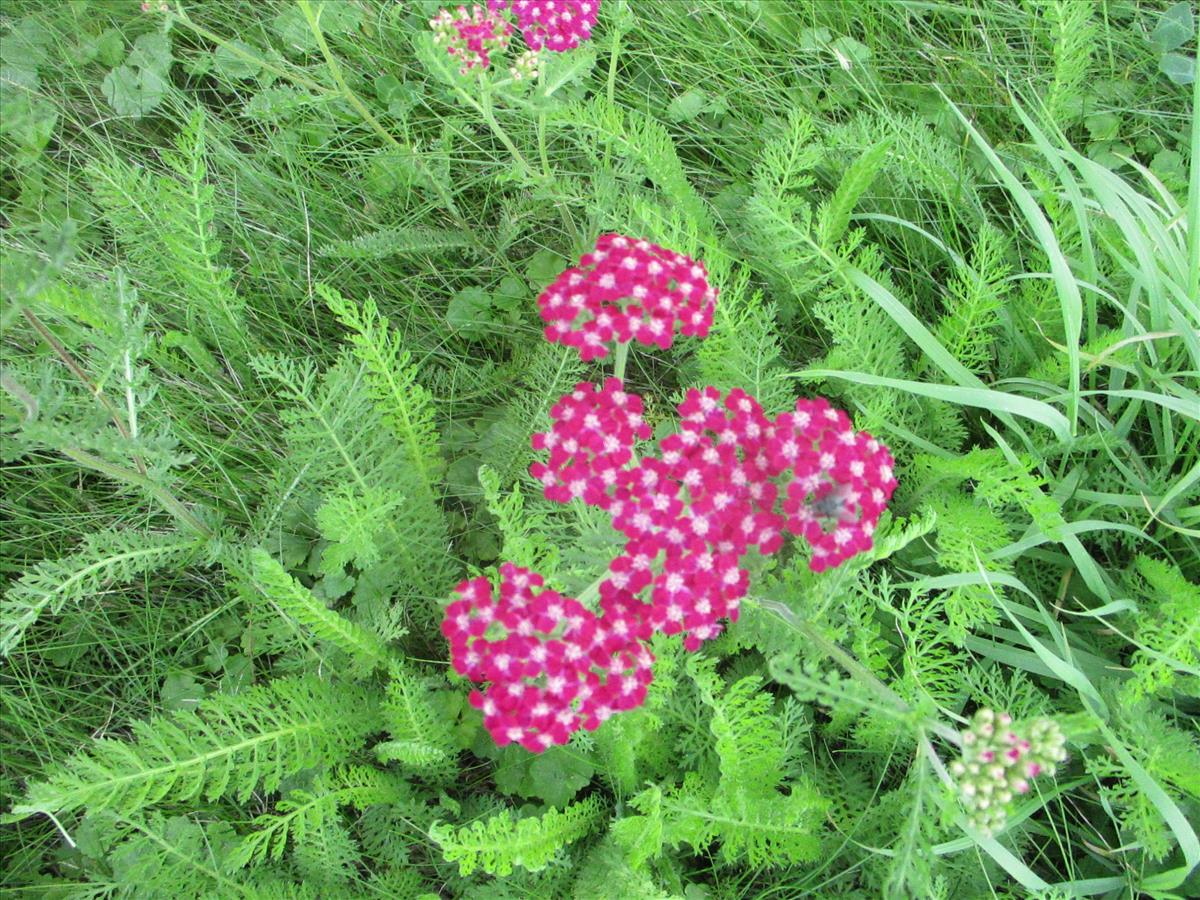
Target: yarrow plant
556,25
999,761
471,36
730,481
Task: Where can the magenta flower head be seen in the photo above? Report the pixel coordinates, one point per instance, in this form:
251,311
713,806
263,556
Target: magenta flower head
553,666
556,25
841,480
590,443
471,36
627,289
731,480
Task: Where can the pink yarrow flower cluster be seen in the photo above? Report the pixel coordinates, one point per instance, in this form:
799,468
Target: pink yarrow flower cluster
627,289
730,481
471,36
556,25
590,443
553,665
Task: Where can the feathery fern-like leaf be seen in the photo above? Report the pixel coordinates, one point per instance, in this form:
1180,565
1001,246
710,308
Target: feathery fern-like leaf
975,298
502,842
526,541
420,736
1167,628
292,600
743,348
229,746
398,241
303,811
108,557
641,138
746,734
159,858
407,408
834,216
164,223
337,441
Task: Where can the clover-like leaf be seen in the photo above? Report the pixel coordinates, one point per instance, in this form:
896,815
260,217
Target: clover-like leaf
470,312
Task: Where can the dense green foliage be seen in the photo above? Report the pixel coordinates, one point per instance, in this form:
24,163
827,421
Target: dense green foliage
271,361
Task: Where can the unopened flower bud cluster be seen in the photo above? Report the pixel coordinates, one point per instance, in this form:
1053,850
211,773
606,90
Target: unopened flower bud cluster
527,66
999,762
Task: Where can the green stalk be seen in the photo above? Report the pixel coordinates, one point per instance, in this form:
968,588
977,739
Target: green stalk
853,667
548,175
612,67
335,69
485,109
169,501
1193,206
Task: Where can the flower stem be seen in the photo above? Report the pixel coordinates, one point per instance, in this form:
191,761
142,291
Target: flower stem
335,69
485,109
612,67
548,176
853,667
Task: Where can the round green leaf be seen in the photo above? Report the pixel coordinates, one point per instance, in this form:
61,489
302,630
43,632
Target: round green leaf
151,51
469,312
133,92
1175,27
1179,68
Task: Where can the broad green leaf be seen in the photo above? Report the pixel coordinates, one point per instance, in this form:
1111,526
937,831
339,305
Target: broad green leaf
151,51
810,40
16,81
559,777
181,691
110,47
1179,68
470,312
687,105
236,60
27,44
543,267
1175,27
336,17
133,92
850,53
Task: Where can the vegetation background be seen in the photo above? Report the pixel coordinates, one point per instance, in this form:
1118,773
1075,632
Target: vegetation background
271,361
